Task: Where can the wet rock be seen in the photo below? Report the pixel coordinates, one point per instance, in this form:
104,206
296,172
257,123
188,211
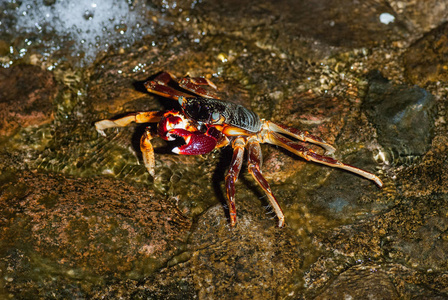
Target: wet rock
430,176
253,260
361,29
426,60
403,116
413,231
320,116
362,279
361,282
419,15
26,97
299,63
344,196
258,257
417,233
86,231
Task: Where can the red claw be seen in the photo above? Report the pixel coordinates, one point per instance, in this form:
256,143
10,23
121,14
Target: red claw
168,123
196,142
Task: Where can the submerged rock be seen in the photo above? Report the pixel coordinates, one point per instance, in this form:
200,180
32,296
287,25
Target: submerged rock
83,232
403,116
26,97
254,260
426,60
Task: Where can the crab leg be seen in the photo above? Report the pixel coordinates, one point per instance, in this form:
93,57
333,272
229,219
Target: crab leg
164,78
145,141
254,166
232,177
163,90
279,140
137,117
194,85
147,151
159,86
300,135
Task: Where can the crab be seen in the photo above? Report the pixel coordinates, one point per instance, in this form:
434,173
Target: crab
205,122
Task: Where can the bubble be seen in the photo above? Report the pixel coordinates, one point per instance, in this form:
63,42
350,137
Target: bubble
84,25
88,15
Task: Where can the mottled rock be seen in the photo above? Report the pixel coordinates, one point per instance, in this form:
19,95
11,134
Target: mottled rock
26,97
403,116
361,282
253,260
430,176
95,230
427,59
420,15
297,62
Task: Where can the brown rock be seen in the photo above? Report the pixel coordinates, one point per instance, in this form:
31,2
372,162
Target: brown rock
26,97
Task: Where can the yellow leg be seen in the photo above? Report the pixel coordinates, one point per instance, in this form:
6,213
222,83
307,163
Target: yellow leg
147,151
137,117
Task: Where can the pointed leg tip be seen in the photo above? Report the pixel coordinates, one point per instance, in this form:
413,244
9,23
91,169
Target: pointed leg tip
281,223
330,150
99,129
378,182
101,132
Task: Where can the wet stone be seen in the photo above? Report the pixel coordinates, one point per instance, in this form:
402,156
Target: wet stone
427,59
415,232
430,176
361,282
302,63
258,257
403,116
344,196
26,97
420,15
83,231
254,260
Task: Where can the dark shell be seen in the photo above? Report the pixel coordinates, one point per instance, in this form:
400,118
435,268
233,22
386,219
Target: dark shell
202,109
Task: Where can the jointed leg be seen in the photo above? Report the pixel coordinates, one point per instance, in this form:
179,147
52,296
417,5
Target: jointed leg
194,85
304,136
147,151
308,154
137,117
164,78
160,86
232,177
145,141
254,165
164,90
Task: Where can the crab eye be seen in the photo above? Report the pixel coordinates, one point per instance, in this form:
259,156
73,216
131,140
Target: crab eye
197,110
215,116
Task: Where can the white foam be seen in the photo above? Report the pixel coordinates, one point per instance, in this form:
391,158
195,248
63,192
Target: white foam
93,25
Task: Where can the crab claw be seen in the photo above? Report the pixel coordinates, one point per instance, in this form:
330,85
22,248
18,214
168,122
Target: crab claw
195,142
167,124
